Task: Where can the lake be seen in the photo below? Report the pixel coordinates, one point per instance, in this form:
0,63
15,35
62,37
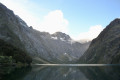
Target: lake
63,72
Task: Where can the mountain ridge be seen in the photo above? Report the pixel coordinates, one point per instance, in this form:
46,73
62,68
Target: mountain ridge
106,47
54,48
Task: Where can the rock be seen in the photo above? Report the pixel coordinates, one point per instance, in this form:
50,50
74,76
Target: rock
105,49
48,47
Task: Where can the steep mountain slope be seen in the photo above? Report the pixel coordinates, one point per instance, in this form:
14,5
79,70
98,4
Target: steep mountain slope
10,54
42,46
106,47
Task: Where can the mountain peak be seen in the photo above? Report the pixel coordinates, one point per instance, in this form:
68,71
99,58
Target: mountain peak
61,35
106,47
42,46
113,25
115,21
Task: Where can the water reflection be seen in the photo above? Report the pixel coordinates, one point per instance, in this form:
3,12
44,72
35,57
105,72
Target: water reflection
56,73
101,73
10,73
65,73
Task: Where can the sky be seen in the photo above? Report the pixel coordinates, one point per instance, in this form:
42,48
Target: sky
81,19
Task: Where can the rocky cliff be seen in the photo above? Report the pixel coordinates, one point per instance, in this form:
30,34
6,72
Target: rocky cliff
106,47
42,46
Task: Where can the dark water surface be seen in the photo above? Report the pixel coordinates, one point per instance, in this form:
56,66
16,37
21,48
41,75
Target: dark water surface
37,72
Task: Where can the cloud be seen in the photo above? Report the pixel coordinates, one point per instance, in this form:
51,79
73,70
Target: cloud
19,8
93,32
54,21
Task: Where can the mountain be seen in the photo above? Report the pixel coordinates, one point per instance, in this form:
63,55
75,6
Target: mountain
42,46
106,47
61,36
10,54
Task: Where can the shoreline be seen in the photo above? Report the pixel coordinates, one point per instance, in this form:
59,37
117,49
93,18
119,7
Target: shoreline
76,64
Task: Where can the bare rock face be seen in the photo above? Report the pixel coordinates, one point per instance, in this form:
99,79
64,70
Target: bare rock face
42,46
61,36
106,47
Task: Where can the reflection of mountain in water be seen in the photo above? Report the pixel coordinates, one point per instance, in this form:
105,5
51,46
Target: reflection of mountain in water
56,73
65,73
101,73
10,73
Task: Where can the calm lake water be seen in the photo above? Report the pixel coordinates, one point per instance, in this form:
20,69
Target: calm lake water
38,72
